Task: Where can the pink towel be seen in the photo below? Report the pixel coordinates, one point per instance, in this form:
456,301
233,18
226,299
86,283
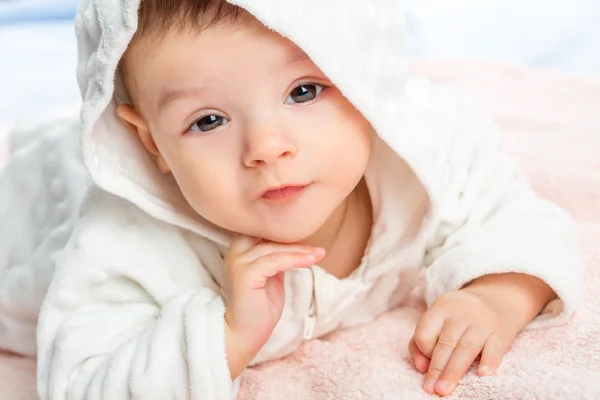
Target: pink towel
552,126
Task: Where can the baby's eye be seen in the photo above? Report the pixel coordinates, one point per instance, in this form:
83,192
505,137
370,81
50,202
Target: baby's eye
208,123
304,93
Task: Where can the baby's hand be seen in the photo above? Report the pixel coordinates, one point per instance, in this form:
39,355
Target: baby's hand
457,328
253,293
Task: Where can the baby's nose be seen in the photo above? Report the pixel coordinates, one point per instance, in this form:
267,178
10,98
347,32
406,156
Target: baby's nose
267,149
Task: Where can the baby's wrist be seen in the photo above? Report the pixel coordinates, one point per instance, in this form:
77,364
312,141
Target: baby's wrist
519,297
239,355
526,289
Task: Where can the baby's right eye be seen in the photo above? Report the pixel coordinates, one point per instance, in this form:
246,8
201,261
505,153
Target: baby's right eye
304,93
208,123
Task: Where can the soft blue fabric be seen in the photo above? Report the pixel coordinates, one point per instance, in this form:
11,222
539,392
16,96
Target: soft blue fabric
37,69
19,11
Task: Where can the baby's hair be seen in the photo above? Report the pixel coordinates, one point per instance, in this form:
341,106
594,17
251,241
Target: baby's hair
158,17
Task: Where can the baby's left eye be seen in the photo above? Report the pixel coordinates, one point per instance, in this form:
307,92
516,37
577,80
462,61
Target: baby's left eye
304,93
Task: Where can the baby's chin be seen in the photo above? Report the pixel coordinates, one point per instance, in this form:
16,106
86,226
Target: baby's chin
290,236
297,233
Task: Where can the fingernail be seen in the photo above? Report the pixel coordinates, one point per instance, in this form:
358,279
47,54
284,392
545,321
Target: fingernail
319,250
486,371
311,257
429,385
444,387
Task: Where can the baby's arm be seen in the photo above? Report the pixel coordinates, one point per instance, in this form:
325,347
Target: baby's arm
500,255
492,222
131,313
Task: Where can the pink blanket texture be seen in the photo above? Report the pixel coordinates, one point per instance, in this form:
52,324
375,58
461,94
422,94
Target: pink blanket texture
552,126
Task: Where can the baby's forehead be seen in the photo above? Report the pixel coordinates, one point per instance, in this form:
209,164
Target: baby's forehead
245,30
213,43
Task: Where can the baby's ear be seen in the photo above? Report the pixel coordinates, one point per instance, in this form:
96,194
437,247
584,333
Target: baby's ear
136,125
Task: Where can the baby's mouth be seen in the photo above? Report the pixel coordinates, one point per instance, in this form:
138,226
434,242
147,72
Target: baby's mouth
283,193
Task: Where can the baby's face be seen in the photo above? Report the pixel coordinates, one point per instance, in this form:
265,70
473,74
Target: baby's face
236,112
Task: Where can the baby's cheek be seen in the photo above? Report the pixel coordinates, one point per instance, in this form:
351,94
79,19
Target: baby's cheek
208,189
350,154
215,196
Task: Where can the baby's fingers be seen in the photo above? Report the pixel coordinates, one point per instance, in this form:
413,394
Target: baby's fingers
467,349
444,348
270,265
491,357
242,243
265,249
420,360
427,331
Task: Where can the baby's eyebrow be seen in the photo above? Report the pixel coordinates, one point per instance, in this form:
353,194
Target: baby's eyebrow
169,95
297,56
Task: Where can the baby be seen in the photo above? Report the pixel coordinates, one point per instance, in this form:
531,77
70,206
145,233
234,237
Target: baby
266,172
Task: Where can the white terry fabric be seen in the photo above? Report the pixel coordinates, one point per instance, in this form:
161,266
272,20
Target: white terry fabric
134,308
41,188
